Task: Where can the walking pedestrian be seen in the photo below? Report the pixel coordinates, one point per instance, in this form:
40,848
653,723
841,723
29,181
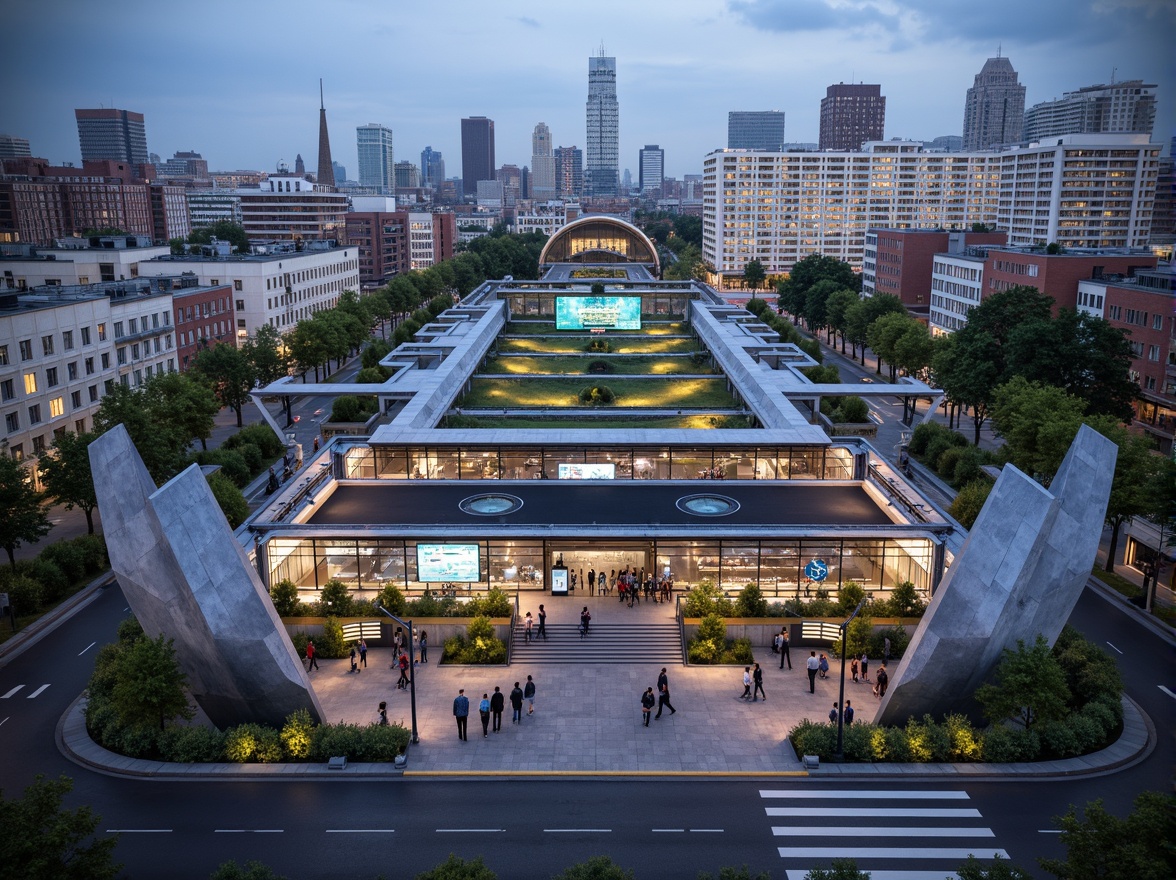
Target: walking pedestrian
311,660
542,634
833,714
647,702
529,695
424,642
883,682
461,711
497,704
784,654
383,712
823,665
585,619
354,665
853,668
527,623
865,667
516,704
776,639
484,712
592,582
813,665
758,677
316,444
363,653
746,683
663,694
402,682
849,712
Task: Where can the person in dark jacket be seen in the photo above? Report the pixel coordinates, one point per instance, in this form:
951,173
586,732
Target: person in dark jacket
497,704
516,703
461,711
663,694
757,676
647,702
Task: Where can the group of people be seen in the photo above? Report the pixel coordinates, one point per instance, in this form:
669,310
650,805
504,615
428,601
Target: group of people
491,707
629,585
529,623
662,699
753,677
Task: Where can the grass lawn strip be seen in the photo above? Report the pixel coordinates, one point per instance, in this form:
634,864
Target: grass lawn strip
662,365
682,393
576,345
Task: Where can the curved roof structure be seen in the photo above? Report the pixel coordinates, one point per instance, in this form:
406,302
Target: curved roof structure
598,238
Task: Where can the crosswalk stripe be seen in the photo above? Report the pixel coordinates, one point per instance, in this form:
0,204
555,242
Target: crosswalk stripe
9,695
840,793
875,831
886,875
37,692
887,852
875,813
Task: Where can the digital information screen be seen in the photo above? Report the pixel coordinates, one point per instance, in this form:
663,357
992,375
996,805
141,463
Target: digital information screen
448,562
588,312
587,471
559,582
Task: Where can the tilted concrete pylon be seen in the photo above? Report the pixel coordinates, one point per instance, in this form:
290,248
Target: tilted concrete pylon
1019,574
186,577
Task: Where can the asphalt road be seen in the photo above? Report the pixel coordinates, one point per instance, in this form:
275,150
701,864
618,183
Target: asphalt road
534,828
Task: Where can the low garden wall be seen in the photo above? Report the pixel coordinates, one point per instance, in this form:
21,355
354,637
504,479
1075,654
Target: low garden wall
760,631
438,628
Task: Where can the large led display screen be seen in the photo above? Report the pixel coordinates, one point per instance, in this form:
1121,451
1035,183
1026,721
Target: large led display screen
448,562
591,312
587,471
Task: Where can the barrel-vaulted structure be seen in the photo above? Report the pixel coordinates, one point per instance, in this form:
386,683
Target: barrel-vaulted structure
597,239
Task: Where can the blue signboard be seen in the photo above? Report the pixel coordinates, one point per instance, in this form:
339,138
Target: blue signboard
816,570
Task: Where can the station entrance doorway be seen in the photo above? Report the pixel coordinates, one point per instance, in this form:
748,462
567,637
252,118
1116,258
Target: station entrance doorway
607,559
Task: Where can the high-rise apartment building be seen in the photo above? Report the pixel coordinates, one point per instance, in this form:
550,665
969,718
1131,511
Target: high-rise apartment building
112,134
326,168
293,209
477,152
185,165
602,159
373,143
569,172
407,175
755,130
994,111
542,163
651,169
12,147
432,168
852,114
1119,107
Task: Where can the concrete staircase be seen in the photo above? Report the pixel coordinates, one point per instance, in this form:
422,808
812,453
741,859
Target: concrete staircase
636,642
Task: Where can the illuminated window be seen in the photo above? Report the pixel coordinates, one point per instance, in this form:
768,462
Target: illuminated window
30,383
56,407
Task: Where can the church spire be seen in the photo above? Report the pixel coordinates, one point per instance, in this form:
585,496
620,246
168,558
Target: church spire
326,171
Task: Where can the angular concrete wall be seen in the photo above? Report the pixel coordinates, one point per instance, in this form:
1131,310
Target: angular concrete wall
185,576
1019,574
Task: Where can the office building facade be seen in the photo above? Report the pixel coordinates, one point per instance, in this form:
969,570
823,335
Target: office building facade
477,152
293,209
761,130
652,169
120,135
994,110
1128,106
602,156
542,163
373,143
569,172
432,168
12,147
851,115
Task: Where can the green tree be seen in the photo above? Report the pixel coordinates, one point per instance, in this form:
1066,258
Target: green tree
42,841
23,517
456,868
161,444
149,684
728,873
285,597
229,374
815,313
596,868
913,349
1030,687
793,290
883,337
840,869
999,869
229,499
225,230
307,348
837,306
688,266
966,506
268,356
1102,846
1037,423
754,274
67,476
178,400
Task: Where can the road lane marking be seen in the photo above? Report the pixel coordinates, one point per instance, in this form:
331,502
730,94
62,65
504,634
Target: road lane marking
138,831
471,830
668,830
87,648
875,831
37,692
9,695
1048,831
864,793
2,722
887,852
577,831
360,830
1114,647
905,812
1168,692
248,831
706,830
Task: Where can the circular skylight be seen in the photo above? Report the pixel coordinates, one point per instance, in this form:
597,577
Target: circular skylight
491,504
707,505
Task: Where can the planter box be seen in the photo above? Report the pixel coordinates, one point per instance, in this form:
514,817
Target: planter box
438,628
762,630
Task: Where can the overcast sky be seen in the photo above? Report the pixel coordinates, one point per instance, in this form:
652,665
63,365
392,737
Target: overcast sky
238,81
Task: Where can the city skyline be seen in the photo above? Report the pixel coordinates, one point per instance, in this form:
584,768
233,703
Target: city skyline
924,57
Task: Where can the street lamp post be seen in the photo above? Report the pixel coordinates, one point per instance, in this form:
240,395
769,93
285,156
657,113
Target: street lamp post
411,670
840,755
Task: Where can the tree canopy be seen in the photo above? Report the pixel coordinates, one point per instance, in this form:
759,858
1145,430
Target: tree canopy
67,475
225,230
1030,687
42,841
228,372
23,518
1101,846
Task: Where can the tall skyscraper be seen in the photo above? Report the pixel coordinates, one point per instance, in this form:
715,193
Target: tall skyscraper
651,169
112,134
407,175
1123,106
340,172
12,147
477,152
994,111
326,171
373,143
602,159
432,168
542,163
851,115
755,130
569,172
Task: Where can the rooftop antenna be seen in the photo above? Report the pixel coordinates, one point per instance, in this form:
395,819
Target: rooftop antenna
1114,70
998,48
322,106
602,48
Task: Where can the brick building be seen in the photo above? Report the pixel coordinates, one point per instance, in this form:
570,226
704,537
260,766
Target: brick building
393,242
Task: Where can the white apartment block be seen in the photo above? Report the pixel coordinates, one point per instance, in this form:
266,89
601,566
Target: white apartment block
207,208
421,253
545,217
64,266
1086,191
957,283
279,288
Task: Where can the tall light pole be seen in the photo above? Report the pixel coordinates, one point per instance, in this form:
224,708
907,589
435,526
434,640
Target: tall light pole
411,670
840,755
